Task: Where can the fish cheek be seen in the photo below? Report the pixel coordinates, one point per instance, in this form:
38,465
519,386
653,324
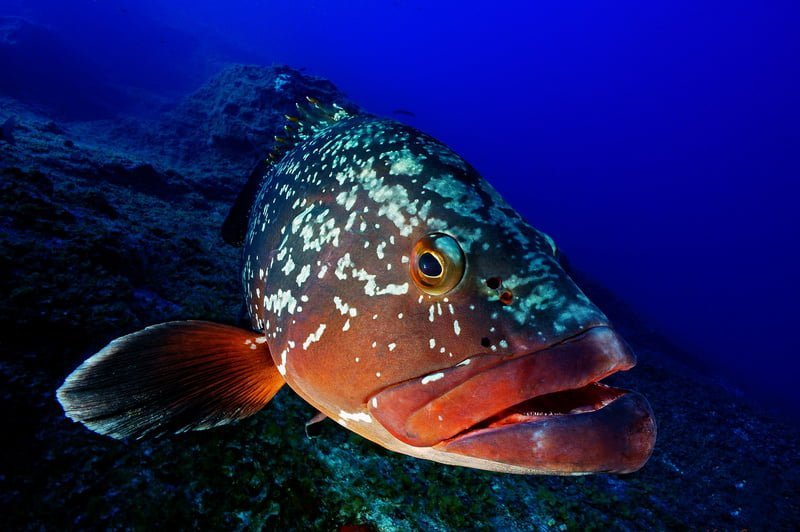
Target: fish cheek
330,361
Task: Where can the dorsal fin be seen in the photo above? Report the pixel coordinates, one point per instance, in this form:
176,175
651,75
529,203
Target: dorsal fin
311,118
234,228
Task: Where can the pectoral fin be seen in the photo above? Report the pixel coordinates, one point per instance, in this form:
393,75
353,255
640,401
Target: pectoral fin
172,377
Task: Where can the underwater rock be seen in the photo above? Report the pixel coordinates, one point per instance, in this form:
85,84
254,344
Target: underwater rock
215,136
98,202
52,127
238,112
25,200
7,130
144,177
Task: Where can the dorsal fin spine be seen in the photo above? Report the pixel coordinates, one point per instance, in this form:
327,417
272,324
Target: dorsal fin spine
310,120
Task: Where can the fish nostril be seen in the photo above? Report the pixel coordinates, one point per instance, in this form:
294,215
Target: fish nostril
494,282
485,342
506,297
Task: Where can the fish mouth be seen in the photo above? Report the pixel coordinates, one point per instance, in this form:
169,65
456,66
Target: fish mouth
544,411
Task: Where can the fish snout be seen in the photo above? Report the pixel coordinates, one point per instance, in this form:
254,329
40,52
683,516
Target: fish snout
492,407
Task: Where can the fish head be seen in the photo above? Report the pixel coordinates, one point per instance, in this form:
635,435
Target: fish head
410,303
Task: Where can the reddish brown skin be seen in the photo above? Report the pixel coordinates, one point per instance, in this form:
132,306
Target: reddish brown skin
329,281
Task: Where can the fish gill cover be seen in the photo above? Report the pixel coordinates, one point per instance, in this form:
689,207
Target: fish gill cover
109,226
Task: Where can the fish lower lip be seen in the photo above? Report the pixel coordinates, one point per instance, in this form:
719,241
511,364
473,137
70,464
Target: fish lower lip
616,438
492,391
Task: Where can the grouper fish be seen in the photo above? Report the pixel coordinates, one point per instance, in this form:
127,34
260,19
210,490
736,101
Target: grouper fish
392,288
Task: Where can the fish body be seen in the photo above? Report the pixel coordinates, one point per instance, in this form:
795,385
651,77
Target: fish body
394,290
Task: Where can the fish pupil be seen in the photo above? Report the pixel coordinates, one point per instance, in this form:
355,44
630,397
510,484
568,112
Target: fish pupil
429,265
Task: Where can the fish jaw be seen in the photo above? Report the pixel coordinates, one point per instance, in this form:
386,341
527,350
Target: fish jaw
617,438
540,412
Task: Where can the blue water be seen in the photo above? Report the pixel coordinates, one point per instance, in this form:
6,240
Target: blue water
657,142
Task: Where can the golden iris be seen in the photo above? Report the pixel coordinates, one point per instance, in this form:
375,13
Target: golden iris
437,263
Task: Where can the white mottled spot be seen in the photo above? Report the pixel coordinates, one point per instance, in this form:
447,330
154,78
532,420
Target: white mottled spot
432,378
393,289
282,366
279,301
341,264
355,416
305,271
464,199
350,221
343,307
314,337
405,163
289,266
347,198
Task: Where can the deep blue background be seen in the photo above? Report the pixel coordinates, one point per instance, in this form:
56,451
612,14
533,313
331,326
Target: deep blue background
657,142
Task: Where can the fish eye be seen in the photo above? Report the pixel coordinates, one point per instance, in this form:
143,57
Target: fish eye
429,265
437,263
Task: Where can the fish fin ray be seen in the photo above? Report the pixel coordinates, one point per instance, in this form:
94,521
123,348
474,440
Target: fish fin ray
169,378
312,117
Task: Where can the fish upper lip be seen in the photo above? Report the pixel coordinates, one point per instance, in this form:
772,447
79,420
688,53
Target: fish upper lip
483,390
